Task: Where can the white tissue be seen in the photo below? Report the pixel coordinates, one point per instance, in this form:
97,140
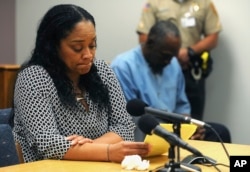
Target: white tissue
134,162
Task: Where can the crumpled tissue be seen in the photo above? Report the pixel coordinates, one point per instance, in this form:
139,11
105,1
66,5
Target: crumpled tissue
134,162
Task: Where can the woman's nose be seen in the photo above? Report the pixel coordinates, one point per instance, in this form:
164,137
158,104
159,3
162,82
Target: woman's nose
87,53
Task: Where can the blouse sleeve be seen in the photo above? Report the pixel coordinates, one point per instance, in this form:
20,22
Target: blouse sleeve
34,116
120,121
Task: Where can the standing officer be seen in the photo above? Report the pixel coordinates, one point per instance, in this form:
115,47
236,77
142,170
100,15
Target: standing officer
199,26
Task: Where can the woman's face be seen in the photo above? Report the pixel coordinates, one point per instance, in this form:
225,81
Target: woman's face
78,49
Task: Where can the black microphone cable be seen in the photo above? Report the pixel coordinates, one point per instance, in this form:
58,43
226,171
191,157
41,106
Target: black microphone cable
221,141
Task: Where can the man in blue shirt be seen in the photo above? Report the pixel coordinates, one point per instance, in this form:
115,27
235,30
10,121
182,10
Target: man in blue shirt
151,72
163,90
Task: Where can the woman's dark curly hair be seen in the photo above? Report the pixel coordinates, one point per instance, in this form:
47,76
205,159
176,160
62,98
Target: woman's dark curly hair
57,24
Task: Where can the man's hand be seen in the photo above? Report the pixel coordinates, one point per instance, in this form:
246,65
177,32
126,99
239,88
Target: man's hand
199,134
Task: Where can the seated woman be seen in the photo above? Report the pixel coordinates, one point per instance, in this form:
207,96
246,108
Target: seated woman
67,104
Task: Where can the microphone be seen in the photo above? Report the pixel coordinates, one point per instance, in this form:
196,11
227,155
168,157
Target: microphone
149,125
136,107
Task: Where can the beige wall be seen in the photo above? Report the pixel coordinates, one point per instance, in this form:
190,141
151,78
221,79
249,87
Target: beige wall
228,87
7,31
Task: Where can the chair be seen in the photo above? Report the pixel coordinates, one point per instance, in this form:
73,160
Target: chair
5,116
10,153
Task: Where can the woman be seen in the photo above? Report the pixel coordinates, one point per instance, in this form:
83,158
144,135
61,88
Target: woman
67,104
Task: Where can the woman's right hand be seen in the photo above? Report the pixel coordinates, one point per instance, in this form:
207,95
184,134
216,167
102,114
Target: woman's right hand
116,152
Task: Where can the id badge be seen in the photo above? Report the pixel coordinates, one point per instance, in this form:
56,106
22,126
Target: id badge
188,21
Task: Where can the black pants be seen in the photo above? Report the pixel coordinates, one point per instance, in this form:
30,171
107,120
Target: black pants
221,130
195,91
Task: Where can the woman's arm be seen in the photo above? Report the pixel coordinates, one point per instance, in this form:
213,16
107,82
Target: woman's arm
106,152
109,147
108,138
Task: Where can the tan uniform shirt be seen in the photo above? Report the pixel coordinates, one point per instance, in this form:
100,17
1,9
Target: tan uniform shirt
194,18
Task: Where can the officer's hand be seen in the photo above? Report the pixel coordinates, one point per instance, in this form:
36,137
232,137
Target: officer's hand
183,58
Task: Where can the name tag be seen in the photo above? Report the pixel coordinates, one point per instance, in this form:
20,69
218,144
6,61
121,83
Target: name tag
188,21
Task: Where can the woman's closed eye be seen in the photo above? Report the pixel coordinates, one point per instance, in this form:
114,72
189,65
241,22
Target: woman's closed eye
92,47
77,49
80,48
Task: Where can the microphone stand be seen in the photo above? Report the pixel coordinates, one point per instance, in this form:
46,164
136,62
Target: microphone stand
173,166
177,131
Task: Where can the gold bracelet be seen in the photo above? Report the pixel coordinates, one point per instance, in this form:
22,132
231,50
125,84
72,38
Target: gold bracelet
108,152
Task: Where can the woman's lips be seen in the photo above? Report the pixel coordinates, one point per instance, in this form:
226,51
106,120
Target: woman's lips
86,64
84,67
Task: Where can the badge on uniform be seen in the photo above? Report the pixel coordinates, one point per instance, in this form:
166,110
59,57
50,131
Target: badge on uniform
188,19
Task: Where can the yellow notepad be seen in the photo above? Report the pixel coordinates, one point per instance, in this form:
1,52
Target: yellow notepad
160,145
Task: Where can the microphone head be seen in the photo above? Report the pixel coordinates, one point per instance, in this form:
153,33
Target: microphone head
147,123
135,107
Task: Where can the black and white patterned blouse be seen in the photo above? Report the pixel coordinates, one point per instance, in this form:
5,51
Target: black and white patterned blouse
42,122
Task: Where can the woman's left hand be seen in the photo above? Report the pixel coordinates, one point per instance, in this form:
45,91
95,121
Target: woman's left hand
76,139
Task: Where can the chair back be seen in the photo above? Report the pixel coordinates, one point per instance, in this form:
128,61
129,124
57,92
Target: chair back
5,116
10,152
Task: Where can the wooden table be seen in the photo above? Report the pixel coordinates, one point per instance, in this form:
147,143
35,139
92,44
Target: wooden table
210,149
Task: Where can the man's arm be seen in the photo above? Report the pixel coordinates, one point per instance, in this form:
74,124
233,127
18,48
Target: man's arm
206,44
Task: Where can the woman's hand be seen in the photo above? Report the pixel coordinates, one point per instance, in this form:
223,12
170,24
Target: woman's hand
76,139
116,152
